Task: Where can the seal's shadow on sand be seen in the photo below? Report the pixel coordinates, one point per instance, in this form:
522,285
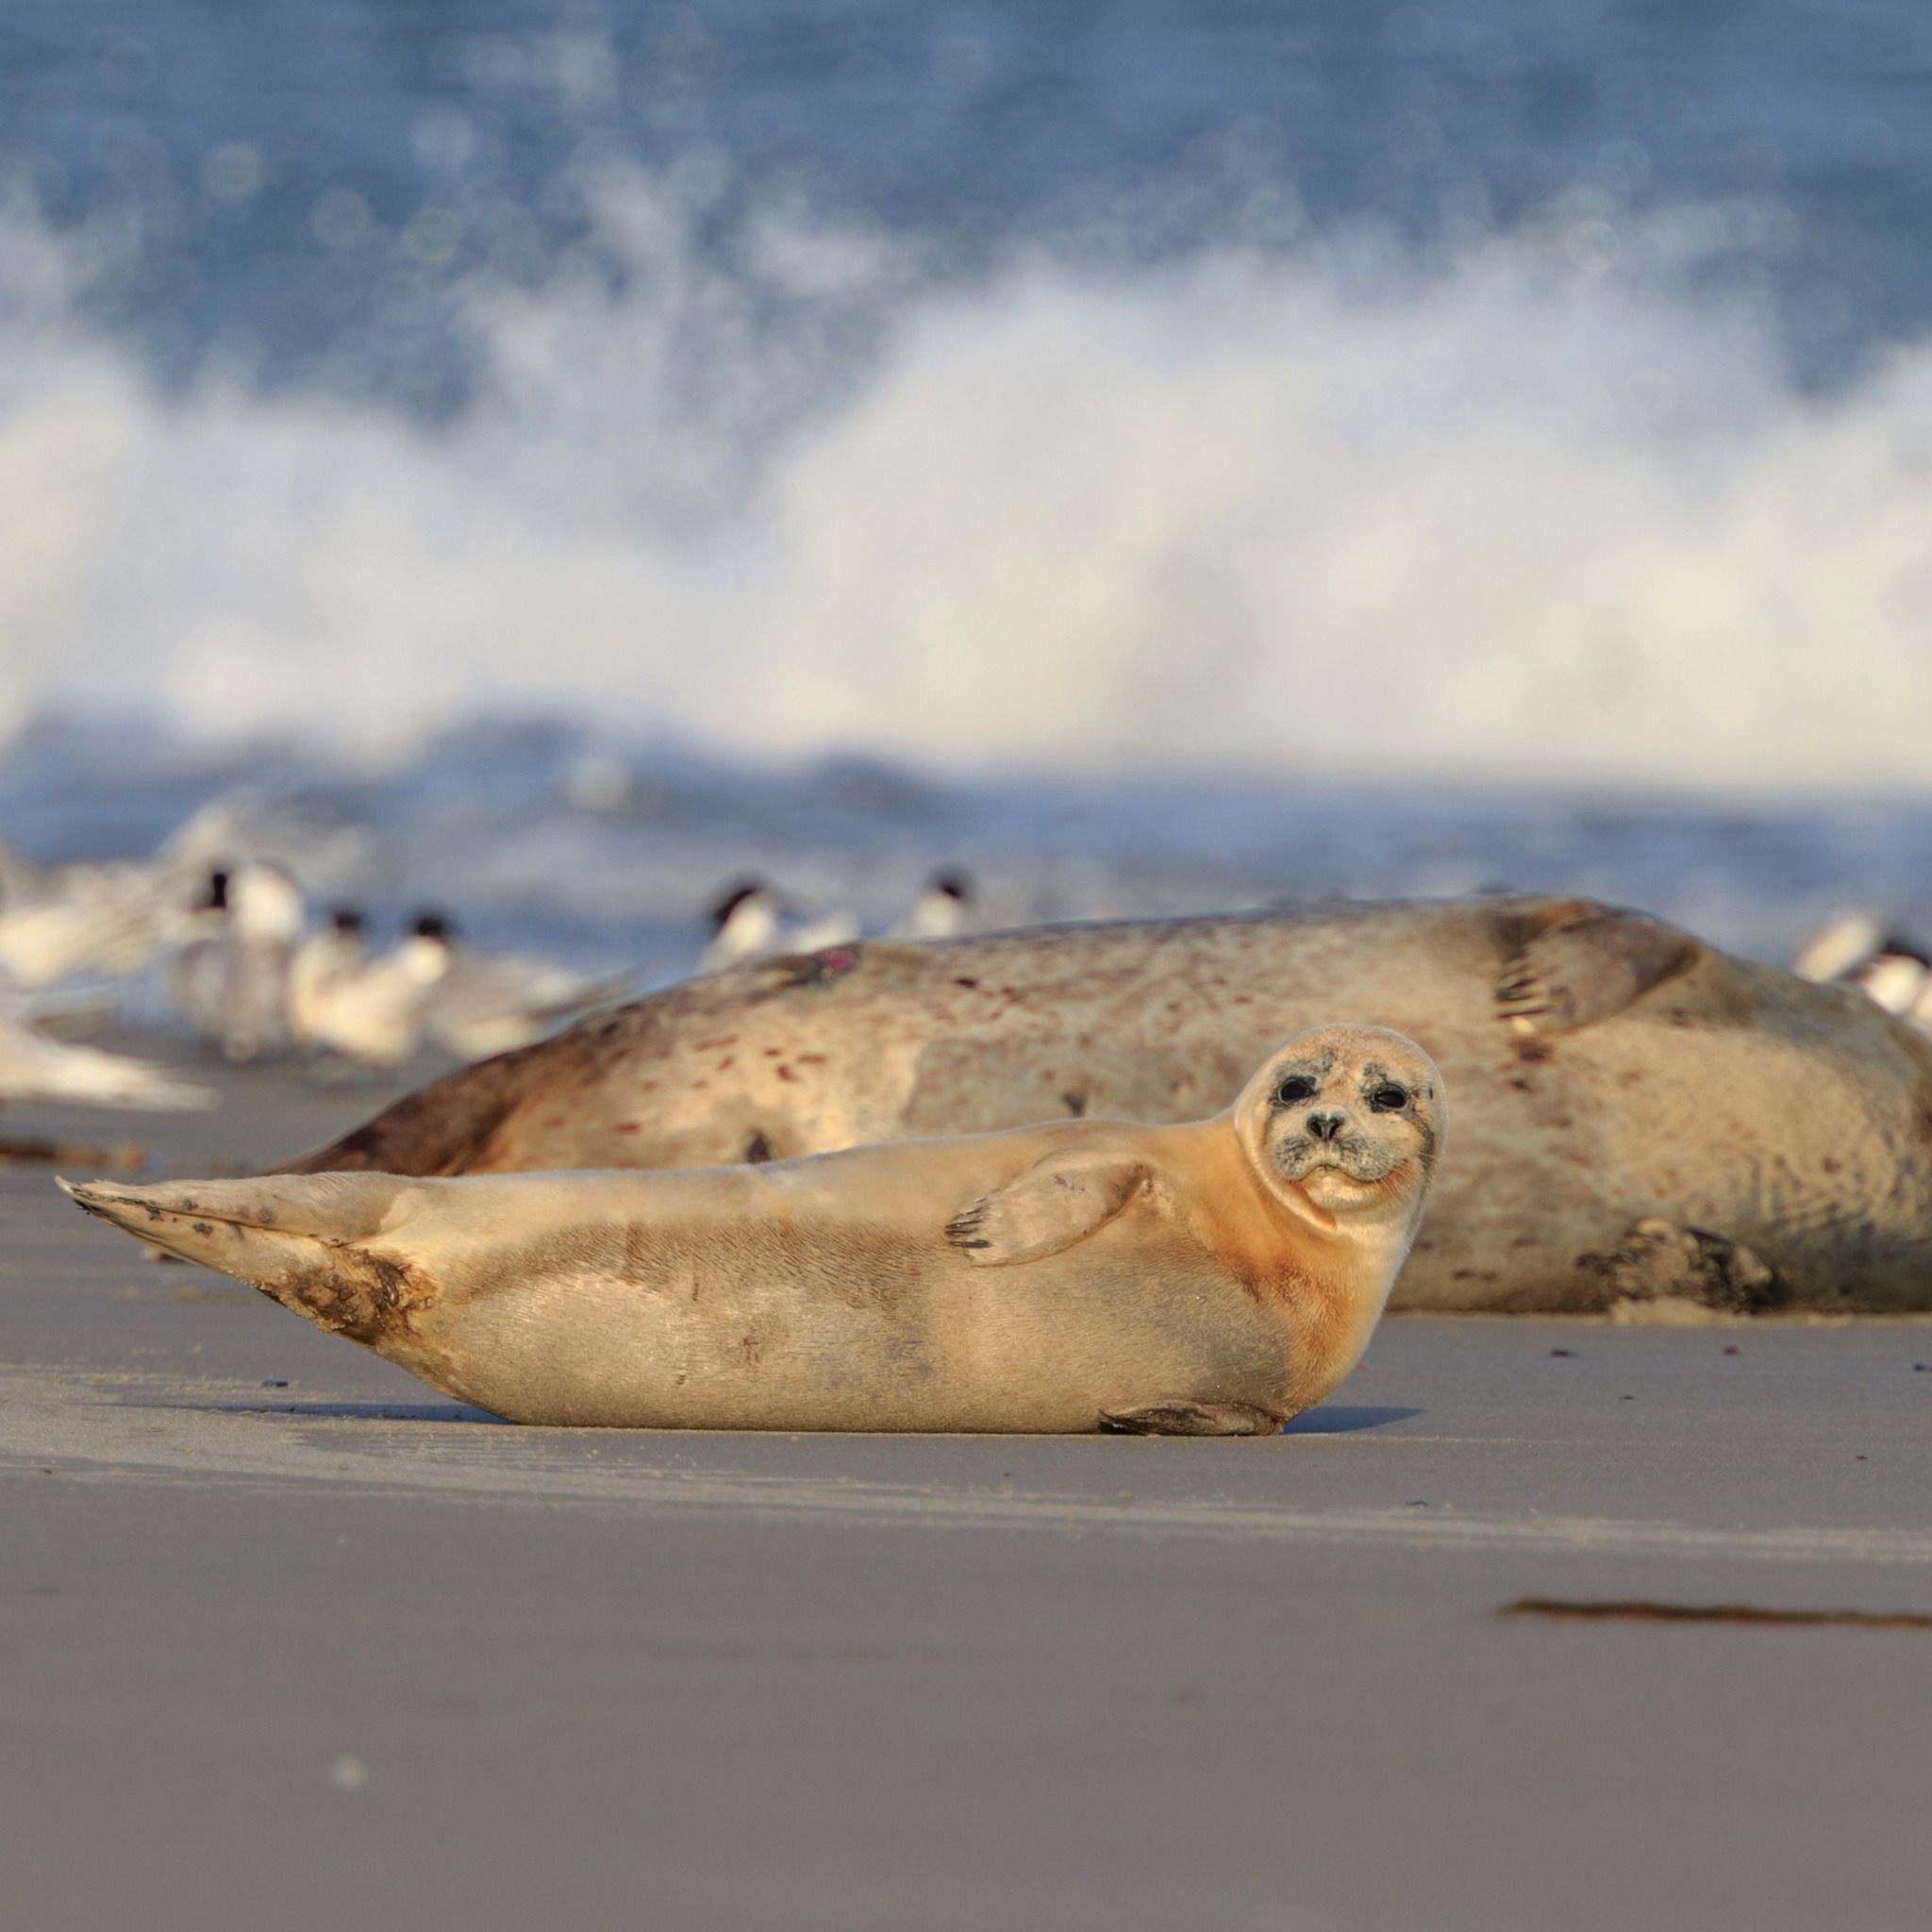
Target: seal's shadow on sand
349,1411
1335,1419
1330,1420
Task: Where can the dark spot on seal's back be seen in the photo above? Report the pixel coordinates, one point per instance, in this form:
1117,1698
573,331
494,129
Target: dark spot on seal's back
1535,1051
202,1228
968,984
757,1149
1075,1103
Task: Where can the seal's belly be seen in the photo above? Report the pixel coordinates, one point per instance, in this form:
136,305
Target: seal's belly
901,1339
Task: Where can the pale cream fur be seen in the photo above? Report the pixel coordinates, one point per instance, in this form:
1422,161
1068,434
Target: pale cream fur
1214,1277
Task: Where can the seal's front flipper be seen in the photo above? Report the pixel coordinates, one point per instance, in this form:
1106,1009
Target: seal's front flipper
1589,967
1068,1196
1191,1419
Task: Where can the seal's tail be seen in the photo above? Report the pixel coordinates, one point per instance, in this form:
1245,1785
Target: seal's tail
296,1238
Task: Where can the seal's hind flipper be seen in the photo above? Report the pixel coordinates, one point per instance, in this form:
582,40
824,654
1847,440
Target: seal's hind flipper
1586,969
294,1238
331,1208
1182,1418
1071,1193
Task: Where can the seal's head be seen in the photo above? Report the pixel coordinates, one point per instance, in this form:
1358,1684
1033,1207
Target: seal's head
1347,1119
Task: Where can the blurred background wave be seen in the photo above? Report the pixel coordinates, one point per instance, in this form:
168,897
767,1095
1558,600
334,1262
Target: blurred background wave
1160,455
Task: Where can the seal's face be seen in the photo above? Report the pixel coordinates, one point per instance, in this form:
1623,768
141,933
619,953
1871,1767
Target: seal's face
1351,1116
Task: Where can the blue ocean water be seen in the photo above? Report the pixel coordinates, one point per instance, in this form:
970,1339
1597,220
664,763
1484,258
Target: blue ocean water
1161,455
213,137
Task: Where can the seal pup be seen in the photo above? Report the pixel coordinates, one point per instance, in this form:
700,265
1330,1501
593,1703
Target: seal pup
1207,1279
1609,1070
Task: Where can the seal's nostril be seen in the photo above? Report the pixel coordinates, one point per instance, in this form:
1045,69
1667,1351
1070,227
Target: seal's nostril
1324,1126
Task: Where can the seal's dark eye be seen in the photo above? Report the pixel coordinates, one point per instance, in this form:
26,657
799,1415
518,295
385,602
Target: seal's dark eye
1389,1099
1296,1087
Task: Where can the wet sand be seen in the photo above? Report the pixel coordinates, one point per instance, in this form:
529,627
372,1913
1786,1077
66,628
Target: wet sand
287,1640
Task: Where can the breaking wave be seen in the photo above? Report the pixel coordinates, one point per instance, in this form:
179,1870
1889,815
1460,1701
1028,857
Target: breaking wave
1536,513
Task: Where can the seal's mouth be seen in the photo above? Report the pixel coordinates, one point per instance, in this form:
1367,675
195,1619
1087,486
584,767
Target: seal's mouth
1355,1157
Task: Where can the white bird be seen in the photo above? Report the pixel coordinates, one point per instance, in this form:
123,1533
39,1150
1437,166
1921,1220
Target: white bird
747,923
1845,942
320,963
491,1003
197,977
32,1067
114,916
941,910
1895,980
1856,948
374,1013
472,1004
266,915
744,926
61,920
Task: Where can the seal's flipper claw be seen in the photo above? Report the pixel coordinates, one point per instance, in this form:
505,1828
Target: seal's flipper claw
1586,969
1068,1196
1181,1418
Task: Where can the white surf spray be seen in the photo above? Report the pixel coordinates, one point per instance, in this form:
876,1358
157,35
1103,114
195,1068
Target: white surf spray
1522,517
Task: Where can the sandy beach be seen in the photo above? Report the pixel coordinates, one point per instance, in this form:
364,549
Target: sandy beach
287,1639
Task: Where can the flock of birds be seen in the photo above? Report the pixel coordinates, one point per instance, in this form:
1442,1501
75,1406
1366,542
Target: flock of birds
250,970
257,978
753,922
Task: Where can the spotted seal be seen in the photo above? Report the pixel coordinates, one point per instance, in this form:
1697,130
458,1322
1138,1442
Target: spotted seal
1641,1118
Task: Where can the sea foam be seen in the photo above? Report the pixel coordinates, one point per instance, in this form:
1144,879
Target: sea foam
1535,511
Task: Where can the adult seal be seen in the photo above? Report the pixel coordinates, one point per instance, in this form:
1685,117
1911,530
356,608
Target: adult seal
1210,1280
1643,1122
